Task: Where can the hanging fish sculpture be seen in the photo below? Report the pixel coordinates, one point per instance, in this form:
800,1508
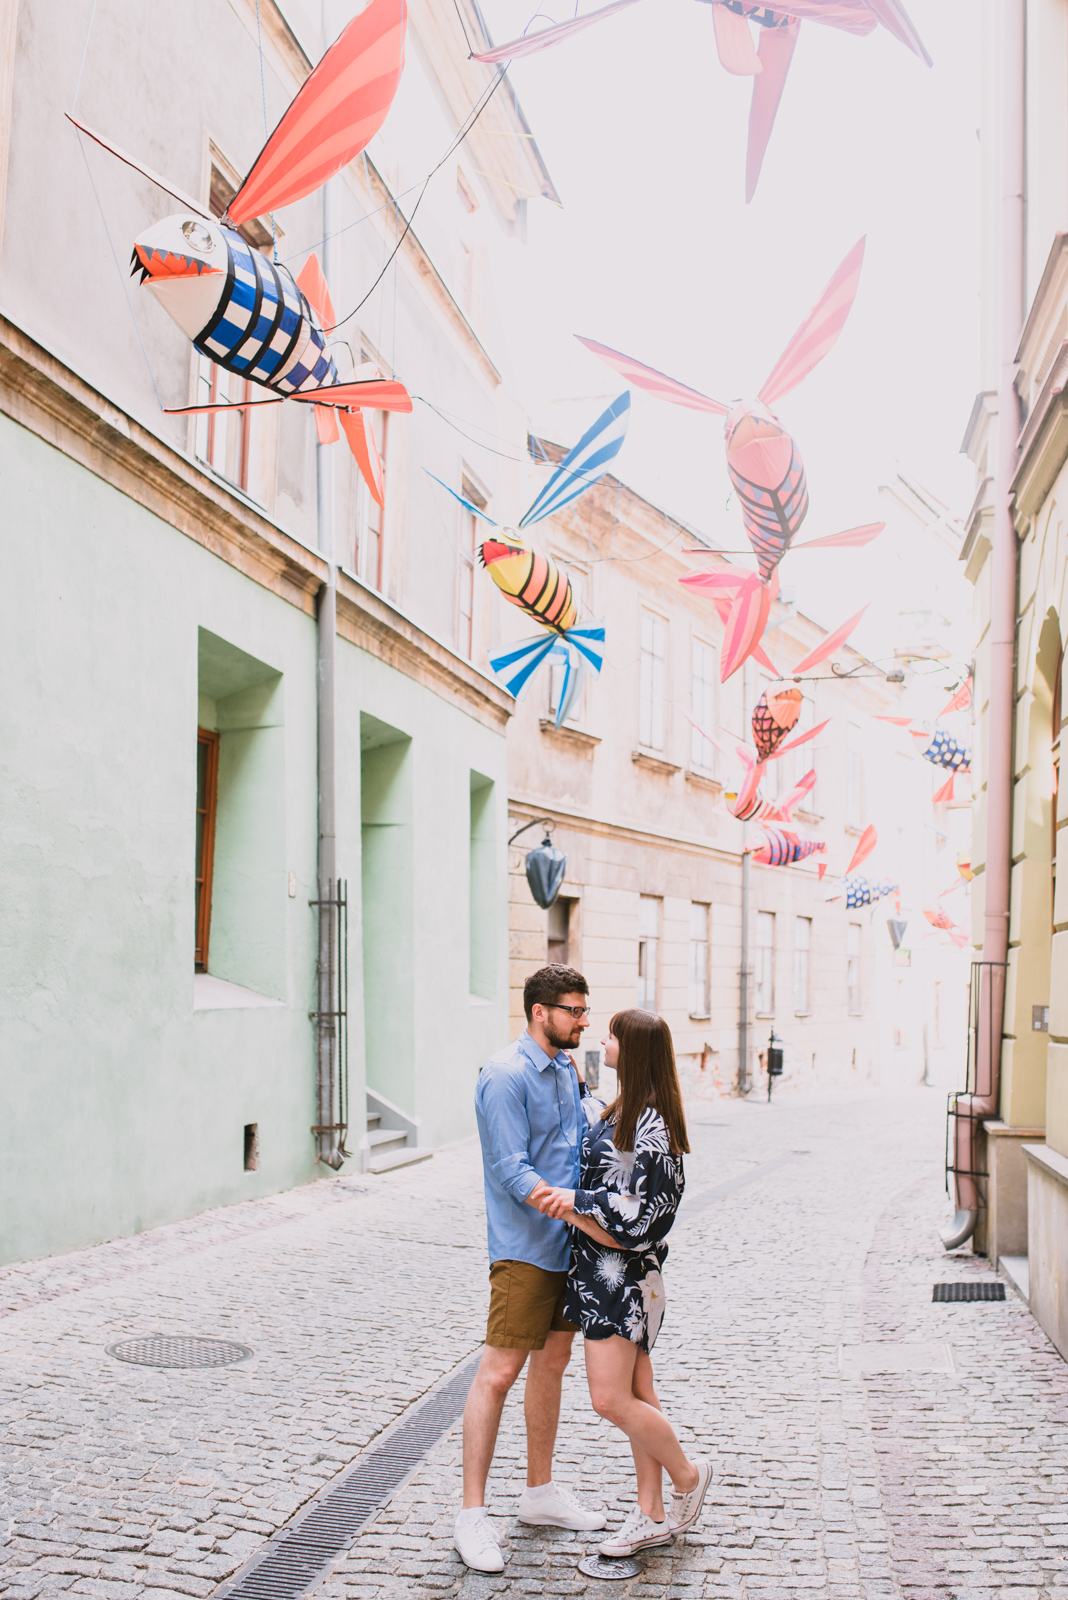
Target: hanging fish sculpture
767,66
774,716
938,919
535,583
776,847
860,891
942,750
249,314
765,467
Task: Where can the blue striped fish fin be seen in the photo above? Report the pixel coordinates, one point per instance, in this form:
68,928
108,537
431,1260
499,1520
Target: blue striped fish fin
588,639
467,504
583,465
514,667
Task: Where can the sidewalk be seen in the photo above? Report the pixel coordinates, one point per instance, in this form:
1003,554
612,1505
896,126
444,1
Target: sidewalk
357,1294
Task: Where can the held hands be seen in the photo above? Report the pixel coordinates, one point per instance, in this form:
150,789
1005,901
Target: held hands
559,1203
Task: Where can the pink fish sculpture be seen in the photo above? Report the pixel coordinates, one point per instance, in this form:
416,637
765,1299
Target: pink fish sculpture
767,64
777,847
765,467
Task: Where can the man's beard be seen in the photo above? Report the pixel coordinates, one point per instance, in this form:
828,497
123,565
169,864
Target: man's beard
566,1041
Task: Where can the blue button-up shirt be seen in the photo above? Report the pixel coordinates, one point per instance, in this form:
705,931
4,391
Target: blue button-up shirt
530,1122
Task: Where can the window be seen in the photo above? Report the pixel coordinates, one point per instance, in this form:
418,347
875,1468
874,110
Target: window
802,949
648,950
557,669
854,778
703,704
651,681
765,964
853,968
560,930
207,791
469,543
699,914
370,516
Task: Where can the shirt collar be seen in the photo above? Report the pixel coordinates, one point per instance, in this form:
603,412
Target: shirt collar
536,1055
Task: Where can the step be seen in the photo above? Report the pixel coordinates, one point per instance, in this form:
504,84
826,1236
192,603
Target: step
383,1139
373,1120
399,1158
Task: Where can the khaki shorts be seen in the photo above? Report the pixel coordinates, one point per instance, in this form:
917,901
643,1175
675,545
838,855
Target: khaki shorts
526,1304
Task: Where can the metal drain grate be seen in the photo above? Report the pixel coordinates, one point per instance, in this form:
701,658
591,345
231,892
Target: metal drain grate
984,1290
162,1351
298,1557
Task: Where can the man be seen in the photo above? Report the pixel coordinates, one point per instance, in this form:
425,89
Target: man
530,1121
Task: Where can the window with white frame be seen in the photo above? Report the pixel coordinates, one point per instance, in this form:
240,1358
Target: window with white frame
557,669
370,516
802,952
854,778
764,968
703,705
853,968
699,916
470,539
652,681
648,950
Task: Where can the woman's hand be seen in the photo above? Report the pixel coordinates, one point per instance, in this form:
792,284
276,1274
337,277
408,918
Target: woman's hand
557,1203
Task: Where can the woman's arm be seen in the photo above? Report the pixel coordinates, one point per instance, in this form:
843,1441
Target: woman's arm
560,1203
645,1215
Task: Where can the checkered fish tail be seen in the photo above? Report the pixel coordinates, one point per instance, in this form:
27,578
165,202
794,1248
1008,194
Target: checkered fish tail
263,327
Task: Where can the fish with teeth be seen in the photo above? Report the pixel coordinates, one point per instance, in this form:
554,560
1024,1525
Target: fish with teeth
245,312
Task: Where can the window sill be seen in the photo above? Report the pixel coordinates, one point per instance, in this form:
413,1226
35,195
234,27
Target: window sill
651,763
765,1016
216,994
587,741
703,780
802,1014
700,1016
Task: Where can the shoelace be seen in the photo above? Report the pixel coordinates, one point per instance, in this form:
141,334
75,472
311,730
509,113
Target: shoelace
483,1534
634,1524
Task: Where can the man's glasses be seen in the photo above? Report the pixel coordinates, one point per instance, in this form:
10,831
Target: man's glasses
578,1012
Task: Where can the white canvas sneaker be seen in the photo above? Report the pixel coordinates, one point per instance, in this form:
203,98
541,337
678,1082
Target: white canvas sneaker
684,1509
559,1508
638,1532
476,1541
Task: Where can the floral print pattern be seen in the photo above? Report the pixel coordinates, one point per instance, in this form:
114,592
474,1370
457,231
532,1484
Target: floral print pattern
634,1196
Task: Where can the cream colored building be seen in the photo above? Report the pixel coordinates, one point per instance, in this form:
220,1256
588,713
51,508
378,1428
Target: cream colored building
651,906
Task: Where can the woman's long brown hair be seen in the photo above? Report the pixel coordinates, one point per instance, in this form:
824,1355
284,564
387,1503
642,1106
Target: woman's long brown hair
647,1077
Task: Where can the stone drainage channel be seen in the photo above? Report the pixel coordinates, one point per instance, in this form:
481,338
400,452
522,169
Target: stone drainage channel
302,1553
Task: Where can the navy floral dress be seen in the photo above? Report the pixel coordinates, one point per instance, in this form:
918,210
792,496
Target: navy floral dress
633,1195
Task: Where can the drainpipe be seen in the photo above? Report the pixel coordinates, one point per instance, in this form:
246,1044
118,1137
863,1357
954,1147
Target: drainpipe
327,1132
970,1109
744,971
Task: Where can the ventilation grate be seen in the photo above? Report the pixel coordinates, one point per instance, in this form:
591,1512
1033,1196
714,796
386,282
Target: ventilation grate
160,1351
298,1557
985,1290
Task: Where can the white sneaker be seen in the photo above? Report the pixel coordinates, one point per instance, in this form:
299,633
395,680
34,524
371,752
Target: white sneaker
638,1532
684,1509
558,1508
476,1541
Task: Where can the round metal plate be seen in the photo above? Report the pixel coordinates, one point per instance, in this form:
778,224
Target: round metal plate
611,1567
161,1351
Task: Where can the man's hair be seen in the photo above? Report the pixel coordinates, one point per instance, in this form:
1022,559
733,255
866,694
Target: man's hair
544,987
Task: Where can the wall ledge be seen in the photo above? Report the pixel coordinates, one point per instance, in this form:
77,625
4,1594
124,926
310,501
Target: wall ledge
1051,1161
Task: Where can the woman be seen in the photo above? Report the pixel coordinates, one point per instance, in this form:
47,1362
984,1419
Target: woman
632,1182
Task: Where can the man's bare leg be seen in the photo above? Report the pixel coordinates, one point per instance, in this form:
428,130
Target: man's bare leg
497,1371
541,1404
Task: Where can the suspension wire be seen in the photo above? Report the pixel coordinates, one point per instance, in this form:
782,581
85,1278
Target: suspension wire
266,130
85,52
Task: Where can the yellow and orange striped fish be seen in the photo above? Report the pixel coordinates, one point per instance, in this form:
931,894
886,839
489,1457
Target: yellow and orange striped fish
531,581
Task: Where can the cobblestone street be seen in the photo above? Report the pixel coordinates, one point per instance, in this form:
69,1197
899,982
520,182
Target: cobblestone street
793,1294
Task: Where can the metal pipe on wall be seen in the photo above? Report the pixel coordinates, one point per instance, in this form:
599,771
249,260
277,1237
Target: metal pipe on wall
744,970
983,1100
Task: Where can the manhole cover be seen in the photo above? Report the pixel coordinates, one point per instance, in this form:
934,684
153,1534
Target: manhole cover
610,1567
161,1351
983,1290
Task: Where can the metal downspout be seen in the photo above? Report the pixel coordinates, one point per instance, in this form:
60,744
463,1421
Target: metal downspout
971,1108
744,971
327,1136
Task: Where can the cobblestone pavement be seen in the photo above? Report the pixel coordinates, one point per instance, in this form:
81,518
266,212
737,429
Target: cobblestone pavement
786,1295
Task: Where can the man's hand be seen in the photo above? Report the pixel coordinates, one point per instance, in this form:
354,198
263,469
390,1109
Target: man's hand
537,1194
558,1203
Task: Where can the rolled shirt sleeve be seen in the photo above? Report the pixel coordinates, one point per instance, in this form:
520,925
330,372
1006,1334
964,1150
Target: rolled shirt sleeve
503,1103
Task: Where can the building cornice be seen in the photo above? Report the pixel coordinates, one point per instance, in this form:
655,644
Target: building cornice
41,394
521,806
1043,443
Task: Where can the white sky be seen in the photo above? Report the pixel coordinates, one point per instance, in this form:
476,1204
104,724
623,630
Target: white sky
656,254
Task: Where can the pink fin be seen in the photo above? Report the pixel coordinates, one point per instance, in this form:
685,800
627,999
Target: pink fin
313,284
361,439
730,581
802,738
146,172
378,395
829,645
734,43
819,330
326,427
821,868
899,722
337,111
945,794
657,383
896,20
865,845
776,53
531,43
706,735
851,539
745,626
803,786
765,660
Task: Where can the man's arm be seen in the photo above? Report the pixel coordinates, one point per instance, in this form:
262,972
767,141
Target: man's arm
506,1133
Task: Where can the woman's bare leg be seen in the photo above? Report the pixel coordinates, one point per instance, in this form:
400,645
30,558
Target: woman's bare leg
610,1369
649,1472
